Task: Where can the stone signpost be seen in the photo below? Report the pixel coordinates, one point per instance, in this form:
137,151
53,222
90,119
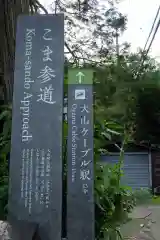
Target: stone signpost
80,184
35,191
35,194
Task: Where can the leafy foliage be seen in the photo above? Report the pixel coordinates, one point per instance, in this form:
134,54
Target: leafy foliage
124,97
113,201
148,116
5,136
9,13
5,120
143,196
90,29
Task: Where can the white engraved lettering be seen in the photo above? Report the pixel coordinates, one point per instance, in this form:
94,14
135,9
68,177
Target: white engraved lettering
46,35
85,152
84,109
84,175
84,120
46,74
25,108
46,95
47,54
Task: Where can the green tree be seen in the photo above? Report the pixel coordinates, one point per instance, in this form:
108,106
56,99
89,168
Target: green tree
90,29
118,88
148,116
9,13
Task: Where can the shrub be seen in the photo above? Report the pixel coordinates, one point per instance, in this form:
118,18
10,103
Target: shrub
143,196
5,136
113,202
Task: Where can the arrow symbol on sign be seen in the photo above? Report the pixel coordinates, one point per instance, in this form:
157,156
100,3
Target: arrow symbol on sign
80,76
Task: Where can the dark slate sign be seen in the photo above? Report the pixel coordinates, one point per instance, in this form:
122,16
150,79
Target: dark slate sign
80,186
36,148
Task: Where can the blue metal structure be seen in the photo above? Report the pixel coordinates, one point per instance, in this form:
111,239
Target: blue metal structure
136,168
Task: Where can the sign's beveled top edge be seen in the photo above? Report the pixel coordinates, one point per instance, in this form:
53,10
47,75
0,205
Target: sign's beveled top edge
49,15
41,15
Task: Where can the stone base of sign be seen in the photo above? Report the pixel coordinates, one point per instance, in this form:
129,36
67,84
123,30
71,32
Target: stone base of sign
4,231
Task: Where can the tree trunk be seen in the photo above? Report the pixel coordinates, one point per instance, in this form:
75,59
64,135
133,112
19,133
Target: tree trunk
9,11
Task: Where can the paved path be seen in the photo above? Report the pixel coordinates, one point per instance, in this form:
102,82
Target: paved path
145,224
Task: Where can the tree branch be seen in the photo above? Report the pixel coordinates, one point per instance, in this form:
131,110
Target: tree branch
38,4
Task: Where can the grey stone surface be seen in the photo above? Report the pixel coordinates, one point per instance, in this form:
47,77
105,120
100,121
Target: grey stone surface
80,188
34,115
4,231
36,147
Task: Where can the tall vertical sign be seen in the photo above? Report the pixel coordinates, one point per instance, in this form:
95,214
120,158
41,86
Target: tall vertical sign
80,185
35,194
